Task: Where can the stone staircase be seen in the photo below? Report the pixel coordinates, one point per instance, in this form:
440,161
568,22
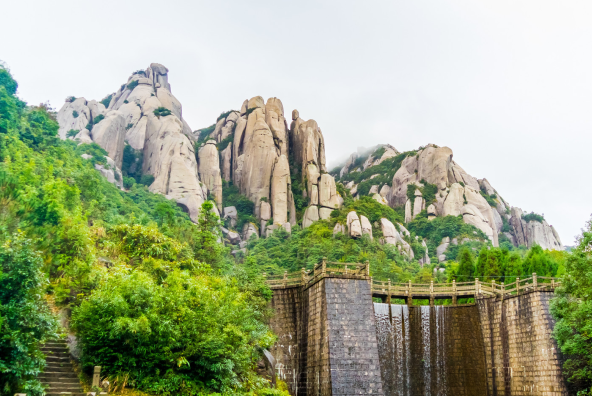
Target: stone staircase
59,374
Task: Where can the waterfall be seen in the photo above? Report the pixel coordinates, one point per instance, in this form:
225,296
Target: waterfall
421,355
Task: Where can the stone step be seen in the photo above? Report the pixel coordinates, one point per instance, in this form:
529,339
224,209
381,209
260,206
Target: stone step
58,359
56,349
49,375
63,386
55,344
52,368
46,379
65,393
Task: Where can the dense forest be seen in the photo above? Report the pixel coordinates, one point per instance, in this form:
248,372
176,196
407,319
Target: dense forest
161,303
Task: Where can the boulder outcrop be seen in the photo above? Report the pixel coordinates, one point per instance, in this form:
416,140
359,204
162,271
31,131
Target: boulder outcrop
129,117
209,170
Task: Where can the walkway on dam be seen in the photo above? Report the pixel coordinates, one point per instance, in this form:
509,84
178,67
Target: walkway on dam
387,291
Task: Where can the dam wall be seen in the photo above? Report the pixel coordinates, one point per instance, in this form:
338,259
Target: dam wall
333,340
327,338
522,357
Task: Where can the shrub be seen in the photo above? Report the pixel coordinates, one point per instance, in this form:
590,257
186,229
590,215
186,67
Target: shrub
126,101
99,118
147,180
572,308
97,152
74,114
225,142
142,72
25,320
162,112
133,85
70,99
379,152
244,207
128,182
202,134
72,132
490,199
129,126
533,217
224,115
198,332
107,100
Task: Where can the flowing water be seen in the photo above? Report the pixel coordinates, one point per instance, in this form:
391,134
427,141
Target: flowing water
429,351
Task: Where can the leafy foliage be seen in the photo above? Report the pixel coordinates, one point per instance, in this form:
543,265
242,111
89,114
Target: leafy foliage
572,308
533,217
202,134
106,100
306,247
25,320
103,249
225,142
133,85
386,169
440,227
72,132
168,322
75,114
224,115
244,207
162,112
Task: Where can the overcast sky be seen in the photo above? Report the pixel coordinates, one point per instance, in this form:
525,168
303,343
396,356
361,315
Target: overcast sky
505,84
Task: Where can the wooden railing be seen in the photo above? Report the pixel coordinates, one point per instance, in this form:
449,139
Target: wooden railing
409,290
321,270
405,290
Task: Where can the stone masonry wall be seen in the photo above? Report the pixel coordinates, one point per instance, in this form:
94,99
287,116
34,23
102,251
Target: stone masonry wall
521,356
351,331
286,324
318,371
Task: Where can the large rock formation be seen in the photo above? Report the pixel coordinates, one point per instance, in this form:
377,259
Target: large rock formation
457,194
130,118
257,160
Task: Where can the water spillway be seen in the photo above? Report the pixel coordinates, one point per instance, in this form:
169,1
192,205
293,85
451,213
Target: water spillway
430,351
334,341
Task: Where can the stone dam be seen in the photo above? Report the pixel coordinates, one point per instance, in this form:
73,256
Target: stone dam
334,340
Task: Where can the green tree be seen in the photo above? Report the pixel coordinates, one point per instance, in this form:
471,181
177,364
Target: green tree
466,266
572,308
25,319
540,262
207,238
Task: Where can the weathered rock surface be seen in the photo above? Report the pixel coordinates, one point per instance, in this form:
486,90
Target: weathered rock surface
354,227
391,236
110,135
111,172
73,115
280,184
170,158
310,216
209,170
328,192
366,226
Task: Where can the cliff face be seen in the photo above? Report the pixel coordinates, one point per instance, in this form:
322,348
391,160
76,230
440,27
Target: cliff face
456,193
128,116
254,149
